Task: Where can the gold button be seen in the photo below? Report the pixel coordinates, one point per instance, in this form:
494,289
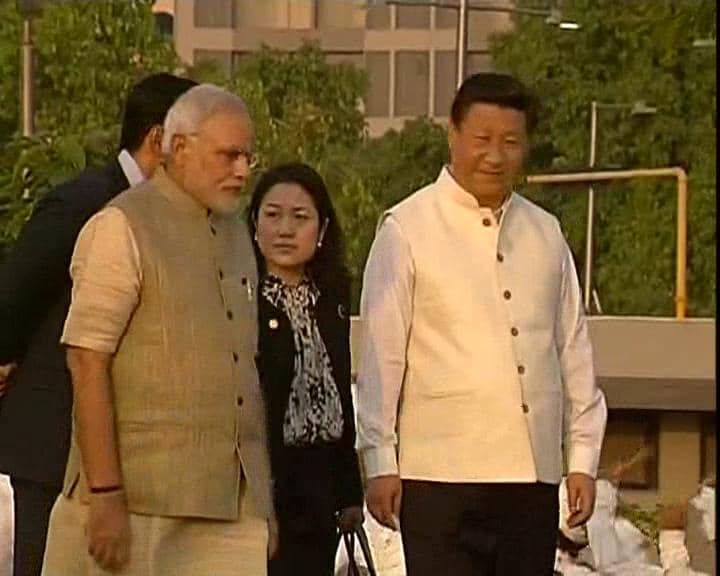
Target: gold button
273,324
525,408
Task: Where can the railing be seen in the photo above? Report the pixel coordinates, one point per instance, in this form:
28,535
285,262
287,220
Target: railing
682,205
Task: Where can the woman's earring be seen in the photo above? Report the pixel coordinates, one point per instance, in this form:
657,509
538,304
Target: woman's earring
322,233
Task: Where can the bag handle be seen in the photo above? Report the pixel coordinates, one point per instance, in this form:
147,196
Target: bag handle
349,539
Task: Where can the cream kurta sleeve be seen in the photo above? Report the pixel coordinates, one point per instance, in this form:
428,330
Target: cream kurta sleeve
107,277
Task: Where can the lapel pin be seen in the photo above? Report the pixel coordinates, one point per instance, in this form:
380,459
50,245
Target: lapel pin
273,324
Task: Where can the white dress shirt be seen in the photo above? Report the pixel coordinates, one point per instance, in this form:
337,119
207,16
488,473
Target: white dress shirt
130,168
475,362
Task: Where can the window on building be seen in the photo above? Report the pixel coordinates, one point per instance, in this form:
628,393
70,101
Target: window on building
275,14
631,437
412,80
377,16
445,79
483,25
334,14
354,58
222,59
377,99
213,13
414,17
478,62
446,18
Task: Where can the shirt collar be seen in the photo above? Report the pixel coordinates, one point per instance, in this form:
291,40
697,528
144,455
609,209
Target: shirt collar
459,195
130,168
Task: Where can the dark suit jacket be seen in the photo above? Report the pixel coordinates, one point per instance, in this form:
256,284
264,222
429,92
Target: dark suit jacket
275,367
34,299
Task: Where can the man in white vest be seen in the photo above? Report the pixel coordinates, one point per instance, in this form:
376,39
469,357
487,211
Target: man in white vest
169,468
476,369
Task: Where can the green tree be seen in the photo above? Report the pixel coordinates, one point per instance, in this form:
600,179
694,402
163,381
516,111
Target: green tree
303,106
10,35
627,51
88,54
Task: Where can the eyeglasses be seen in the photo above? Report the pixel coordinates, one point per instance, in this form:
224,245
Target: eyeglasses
232,154
251,158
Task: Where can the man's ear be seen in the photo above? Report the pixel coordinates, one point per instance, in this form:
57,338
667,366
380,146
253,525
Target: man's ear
452,136
154,139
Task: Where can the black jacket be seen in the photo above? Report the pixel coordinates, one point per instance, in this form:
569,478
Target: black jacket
34,299
275,363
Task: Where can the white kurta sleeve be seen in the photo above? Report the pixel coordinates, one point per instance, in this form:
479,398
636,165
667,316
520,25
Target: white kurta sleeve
386,313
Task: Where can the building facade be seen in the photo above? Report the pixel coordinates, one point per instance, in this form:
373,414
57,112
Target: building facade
409,52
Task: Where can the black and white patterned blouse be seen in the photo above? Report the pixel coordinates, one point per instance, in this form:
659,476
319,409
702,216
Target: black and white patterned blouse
314,413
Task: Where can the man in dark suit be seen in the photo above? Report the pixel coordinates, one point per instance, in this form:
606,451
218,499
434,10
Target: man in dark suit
35,390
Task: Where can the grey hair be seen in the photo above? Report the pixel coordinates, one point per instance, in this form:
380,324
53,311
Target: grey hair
194,107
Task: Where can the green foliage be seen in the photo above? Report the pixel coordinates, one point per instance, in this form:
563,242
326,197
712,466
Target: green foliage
628,51
88,56
645,520
90,53
31,167
9,68
303,107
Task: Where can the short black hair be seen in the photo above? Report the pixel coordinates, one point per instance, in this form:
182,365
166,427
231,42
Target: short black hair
147,104
327,268
494,88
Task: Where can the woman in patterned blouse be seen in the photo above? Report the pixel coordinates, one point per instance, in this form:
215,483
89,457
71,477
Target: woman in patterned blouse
304,367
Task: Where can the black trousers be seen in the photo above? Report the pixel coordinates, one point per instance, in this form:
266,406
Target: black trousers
305,506
479,529
33,502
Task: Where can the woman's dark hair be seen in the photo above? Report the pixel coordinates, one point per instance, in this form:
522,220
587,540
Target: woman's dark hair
327,267
494,88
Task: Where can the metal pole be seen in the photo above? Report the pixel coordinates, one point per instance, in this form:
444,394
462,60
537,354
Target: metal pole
681,264
587,288
28,100
462,41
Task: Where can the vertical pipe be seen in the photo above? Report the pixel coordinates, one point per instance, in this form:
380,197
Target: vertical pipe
587,287
462,43
28,100
681,264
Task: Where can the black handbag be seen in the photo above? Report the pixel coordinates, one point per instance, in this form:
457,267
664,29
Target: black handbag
349,538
